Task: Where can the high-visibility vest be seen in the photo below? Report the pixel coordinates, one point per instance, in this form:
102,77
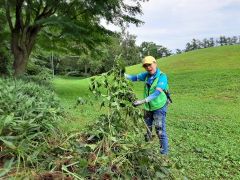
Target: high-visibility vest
159,101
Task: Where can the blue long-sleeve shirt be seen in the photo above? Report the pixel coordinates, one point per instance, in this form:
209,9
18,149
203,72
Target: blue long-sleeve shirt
162,82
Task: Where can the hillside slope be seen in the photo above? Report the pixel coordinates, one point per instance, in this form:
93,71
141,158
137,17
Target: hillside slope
203,121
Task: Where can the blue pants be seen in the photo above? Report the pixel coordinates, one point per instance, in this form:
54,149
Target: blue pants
158,117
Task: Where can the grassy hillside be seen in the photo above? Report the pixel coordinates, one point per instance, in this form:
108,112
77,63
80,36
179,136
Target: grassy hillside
202,123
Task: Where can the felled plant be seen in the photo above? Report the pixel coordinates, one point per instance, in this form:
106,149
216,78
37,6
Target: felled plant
115,145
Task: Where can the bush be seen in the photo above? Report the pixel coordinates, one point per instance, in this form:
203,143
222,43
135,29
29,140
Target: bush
43,78
5,62
28,114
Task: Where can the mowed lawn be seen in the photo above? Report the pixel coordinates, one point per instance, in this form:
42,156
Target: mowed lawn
203,123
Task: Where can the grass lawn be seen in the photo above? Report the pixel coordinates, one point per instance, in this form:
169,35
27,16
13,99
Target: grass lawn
69,90
203,121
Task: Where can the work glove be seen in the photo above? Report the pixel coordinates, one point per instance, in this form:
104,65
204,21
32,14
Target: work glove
138,102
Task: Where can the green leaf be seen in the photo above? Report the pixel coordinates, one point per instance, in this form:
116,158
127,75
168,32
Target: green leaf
83,163
65,169
114,139
160,175
8,144
7,167
8,119
92,146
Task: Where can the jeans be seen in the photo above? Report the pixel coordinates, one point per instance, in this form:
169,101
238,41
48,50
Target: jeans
158,117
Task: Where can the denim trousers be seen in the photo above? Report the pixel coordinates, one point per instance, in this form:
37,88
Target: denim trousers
157,118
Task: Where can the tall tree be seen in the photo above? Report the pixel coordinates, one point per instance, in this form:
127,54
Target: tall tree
149,48
234,40
193,45
205,43
212,42
222,41
163,51
79,20
178,51
130,51
188,47
196,44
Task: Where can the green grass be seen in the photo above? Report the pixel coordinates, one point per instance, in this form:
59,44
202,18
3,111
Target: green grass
202,123
69,90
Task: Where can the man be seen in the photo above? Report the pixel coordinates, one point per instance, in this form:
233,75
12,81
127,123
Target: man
155,100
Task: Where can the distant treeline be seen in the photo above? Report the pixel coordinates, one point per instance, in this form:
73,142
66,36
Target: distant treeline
211,42
101,59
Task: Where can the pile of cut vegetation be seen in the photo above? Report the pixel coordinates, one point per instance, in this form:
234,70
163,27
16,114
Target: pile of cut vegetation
114,146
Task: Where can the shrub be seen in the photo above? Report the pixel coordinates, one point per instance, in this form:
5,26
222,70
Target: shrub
5,62
28,114
43,78
38,72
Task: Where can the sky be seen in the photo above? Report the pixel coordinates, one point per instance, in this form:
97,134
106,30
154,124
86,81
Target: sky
173,23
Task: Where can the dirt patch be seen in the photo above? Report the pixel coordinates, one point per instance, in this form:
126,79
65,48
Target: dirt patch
57,175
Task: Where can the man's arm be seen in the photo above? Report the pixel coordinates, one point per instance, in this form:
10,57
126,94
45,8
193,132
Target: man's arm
137,77
154,95
131,77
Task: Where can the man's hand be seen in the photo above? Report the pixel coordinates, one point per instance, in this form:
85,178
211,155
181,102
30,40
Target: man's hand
138,102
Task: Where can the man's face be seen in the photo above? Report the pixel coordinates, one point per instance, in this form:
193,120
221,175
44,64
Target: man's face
150,68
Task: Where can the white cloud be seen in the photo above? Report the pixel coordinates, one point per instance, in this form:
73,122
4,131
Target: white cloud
174,22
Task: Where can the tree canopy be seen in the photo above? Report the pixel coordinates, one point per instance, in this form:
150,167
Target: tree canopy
74,20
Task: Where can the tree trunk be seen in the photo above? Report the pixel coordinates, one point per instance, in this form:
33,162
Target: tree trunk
21,45
20,62
85,69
